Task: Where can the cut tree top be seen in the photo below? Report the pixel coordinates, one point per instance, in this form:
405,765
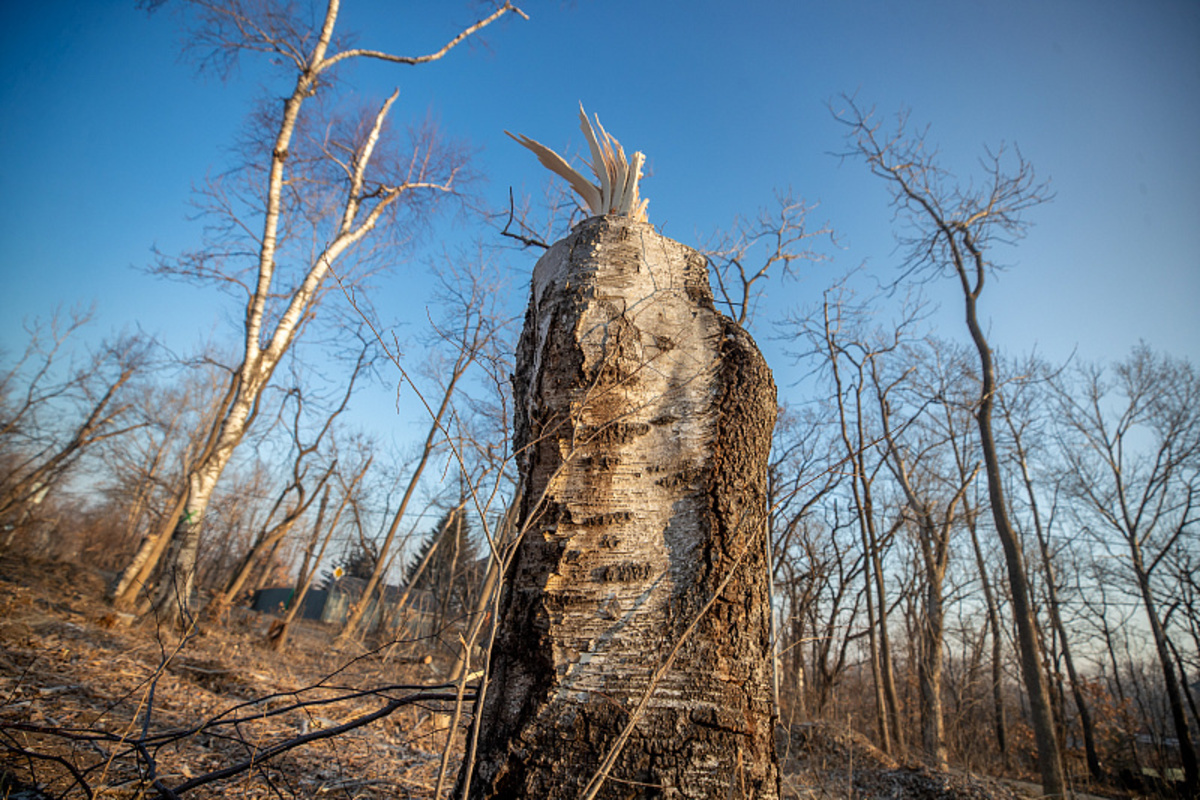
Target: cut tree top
618,176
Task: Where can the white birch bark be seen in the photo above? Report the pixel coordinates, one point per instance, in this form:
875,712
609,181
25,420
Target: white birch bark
362,207
633,643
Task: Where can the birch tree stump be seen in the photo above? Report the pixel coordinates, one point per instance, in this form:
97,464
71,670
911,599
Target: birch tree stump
632,656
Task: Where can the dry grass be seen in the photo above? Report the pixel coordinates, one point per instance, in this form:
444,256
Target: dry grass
822,761
69,670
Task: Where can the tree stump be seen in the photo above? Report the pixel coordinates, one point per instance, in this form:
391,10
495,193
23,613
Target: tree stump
632,656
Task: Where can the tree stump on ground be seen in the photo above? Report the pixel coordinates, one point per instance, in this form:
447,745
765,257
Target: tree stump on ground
633,656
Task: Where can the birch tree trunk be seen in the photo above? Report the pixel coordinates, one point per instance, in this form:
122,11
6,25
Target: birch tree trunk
137,574
173,598
366,195
632,654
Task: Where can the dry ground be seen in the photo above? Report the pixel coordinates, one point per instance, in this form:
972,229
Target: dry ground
68,665
823,762
90,707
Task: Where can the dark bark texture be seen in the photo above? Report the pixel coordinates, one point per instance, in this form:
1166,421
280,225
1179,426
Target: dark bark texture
632,656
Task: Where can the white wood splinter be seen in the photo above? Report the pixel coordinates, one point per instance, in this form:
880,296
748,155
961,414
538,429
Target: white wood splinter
618,176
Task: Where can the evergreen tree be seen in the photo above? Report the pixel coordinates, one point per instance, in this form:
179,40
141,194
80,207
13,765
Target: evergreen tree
358,563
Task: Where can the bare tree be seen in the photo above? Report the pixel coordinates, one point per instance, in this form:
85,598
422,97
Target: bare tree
774,241
1135,462
933,490
965,462
1022,407
314,552
197,403
302,493
950,229
61,412
822,587
847,353
804,470
31,383
326,187
469,332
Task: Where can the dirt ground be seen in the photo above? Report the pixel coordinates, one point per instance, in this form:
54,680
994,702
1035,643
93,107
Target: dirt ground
93,707
820,761
85,699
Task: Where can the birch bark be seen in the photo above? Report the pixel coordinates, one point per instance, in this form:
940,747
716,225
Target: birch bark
632,654
274,318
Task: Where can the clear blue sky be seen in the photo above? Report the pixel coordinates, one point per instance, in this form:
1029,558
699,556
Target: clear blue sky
104,130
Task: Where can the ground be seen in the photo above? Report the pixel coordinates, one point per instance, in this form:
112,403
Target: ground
68,665
822,762
86,699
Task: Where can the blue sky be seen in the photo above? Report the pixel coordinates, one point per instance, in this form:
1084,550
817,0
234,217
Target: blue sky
105,130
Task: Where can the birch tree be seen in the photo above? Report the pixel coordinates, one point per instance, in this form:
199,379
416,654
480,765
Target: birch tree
184,435
633,637
297,495
326,184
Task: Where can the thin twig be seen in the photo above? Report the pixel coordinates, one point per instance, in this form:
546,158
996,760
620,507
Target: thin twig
528,241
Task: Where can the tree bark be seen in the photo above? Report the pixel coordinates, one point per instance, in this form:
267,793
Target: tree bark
1050,763
632,654
274,318
1187,752
999,718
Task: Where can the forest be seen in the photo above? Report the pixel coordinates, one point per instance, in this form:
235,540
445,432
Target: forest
977,558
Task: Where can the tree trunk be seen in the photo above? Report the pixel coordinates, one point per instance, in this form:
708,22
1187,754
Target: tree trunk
887,704
359,609
999,720
632,654
263,551
933,727
308,570
885,662
1187,753
173,602
1085,717
173,598
278,635
137,575
881,707
1050,763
